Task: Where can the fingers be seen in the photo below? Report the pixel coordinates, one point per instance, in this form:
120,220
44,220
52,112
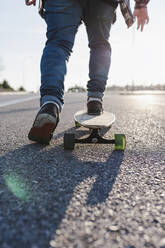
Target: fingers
142,18
142,23
30,2
138,23
147,21
142,27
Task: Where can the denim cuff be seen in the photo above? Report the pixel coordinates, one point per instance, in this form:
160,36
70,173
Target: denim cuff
48,98
95,94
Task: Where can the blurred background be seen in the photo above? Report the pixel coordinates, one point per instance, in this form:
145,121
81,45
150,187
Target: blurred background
137,57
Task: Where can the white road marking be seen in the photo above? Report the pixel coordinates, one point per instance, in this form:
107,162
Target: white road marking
12,102
14,93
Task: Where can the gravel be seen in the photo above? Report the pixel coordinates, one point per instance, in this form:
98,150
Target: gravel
92,197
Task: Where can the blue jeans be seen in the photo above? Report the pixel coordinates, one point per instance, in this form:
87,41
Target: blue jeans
63,18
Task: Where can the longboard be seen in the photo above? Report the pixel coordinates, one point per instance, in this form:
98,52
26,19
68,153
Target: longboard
104,120
94,123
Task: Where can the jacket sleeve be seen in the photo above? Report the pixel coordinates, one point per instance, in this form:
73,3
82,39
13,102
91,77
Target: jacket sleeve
141,3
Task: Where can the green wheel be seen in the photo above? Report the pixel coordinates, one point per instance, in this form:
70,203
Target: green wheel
120,142
77,124
69,141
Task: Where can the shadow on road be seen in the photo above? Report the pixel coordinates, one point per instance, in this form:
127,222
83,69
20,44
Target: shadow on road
37,185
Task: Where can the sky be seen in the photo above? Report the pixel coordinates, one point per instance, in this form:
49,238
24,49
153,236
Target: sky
137,57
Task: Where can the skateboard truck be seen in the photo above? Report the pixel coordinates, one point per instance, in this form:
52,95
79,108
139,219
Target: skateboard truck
94,138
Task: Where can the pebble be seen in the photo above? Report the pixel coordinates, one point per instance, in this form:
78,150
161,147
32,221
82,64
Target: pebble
114,228
111,212
162,242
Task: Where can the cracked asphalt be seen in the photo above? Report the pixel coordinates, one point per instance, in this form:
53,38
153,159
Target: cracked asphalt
92,197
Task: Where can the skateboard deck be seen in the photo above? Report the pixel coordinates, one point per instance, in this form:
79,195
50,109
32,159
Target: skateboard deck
105,120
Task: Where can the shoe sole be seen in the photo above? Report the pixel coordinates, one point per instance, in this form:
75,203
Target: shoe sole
43,128
92,113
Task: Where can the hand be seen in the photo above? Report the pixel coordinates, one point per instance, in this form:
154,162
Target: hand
142,17
30,2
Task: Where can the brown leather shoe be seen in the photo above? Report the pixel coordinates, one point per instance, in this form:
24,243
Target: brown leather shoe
94,108
44,124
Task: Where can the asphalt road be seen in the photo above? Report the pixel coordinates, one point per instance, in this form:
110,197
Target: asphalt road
92,197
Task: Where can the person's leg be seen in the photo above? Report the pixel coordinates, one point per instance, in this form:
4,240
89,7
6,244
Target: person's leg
98,18
62,18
